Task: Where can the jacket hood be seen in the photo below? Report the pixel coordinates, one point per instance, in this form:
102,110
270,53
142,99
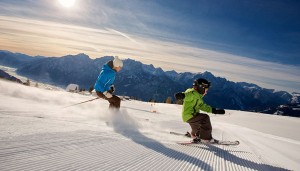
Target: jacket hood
108,66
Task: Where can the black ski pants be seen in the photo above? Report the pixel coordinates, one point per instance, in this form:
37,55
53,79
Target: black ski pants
114,102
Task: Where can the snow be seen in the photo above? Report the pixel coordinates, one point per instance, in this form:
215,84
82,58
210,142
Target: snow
38,132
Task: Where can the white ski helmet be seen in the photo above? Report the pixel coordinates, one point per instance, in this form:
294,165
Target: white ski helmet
117,62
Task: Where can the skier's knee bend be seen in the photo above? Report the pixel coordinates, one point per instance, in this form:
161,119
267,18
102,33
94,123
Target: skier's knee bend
206,118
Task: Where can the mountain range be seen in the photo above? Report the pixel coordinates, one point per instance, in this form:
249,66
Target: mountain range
145,82
6,76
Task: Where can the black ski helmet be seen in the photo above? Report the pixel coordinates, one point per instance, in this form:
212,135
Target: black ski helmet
200,85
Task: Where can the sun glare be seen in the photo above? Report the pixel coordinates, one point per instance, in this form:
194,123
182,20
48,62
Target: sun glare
67,3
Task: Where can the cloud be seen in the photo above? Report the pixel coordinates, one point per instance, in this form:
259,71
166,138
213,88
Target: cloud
123,34
36,37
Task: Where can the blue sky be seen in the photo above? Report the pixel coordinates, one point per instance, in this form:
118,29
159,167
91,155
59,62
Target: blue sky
250,40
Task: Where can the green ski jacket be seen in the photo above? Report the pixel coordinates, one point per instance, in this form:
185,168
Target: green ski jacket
192,104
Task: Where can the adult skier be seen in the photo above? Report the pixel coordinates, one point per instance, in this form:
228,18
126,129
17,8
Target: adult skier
104,85
192,104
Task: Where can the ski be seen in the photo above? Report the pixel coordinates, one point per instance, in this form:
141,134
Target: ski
219,142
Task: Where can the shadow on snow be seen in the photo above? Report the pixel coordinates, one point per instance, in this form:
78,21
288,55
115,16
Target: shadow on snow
126,126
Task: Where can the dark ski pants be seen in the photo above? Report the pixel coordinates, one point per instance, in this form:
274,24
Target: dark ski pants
201,126
114,102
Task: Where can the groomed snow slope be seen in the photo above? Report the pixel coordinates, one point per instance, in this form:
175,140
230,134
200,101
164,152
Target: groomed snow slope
37,133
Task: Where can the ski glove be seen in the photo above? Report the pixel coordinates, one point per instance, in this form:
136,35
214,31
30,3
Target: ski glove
107,94
112,89
179,96
218,111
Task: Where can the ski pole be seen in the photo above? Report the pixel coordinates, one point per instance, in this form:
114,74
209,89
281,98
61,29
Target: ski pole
81,102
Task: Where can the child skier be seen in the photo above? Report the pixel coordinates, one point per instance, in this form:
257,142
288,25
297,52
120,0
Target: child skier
192,104
104,85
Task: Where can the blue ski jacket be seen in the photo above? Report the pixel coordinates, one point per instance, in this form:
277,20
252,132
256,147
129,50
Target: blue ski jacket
105,79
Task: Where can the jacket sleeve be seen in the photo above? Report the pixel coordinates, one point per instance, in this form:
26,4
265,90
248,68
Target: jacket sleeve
204,107
108,83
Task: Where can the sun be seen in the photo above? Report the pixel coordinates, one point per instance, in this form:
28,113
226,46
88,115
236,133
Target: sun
67,3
